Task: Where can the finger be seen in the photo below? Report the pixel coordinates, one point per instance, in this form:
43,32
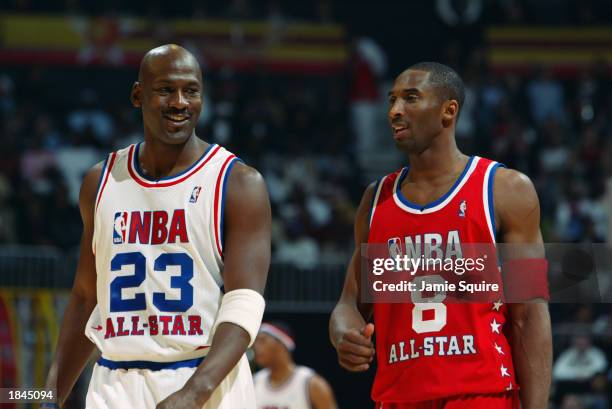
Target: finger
355,368
355,349
356,337
368,330
351,359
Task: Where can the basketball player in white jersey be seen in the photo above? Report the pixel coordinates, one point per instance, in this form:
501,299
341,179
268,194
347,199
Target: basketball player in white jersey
282,384
174,258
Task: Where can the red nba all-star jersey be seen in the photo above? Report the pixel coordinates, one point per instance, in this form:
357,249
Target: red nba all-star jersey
432,350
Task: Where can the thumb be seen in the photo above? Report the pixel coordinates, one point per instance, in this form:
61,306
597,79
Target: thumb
368,330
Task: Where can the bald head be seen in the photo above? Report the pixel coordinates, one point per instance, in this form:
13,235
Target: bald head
169,57
169,92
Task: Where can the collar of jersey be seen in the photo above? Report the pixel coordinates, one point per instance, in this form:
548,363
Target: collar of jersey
439,203
142,179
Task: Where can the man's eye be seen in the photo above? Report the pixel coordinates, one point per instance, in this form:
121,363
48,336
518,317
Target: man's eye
411,98
193,91
392,100
164,90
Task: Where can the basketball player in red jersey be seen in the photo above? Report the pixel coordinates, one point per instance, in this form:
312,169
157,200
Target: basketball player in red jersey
447,355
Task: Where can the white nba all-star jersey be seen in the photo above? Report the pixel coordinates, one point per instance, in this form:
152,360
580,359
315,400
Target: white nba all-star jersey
292,394
158,249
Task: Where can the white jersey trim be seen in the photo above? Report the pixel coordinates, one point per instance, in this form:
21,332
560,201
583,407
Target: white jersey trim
220,189
487,198
135,172
439,204
379,186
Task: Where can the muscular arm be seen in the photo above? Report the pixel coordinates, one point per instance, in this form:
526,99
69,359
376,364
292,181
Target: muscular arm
321,394
518,217
73,347
347,324
246,262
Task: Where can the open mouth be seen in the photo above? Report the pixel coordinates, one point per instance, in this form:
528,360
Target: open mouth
177,119
399,131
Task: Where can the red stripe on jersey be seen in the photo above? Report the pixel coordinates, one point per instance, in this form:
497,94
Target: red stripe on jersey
111,162
144,183
218,205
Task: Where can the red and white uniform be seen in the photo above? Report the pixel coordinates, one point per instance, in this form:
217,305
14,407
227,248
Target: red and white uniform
158,246
430,351
292,394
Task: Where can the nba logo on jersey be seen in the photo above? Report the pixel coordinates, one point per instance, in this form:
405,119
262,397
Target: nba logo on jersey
462,208
119,227
395,249
194,194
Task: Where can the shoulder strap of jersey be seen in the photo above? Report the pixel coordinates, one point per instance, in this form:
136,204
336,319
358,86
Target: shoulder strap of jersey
219,198
382,191
489,168
109,162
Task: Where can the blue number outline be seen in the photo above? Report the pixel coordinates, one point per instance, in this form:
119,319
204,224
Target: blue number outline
117,302
182,282
138,303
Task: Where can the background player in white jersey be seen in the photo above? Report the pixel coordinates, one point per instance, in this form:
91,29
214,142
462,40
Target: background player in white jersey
173,298
282,384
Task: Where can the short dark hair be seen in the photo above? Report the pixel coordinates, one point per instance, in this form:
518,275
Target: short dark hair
445,79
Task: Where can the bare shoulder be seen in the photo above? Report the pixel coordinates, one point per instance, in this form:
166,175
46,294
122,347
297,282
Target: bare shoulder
317,382
89,187
321,393
246,186
244,176
514,190
246,194
362,222
366,200
515,198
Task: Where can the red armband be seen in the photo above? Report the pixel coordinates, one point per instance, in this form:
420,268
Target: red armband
525,279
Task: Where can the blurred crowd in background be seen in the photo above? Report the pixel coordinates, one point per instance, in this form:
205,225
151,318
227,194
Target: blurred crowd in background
319,141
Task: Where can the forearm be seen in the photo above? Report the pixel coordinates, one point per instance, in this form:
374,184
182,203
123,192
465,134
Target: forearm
532,352
228,345
73,348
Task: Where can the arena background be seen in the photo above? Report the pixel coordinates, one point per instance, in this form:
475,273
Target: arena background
298,90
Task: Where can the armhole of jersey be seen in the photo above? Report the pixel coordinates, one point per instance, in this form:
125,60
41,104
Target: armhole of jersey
106,170
377,189
487,197
220,188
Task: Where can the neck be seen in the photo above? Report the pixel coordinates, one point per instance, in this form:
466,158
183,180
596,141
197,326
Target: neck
441,158
280,372
158,159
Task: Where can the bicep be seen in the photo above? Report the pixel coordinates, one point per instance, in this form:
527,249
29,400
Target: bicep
517,210
248,231
85,279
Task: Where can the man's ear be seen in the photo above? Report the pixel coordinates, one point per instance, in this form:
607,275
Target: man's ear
135,95
450,111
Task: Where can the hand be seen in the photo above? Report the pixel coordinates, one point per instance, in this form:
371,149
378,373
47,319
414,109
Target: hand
183,399
355,349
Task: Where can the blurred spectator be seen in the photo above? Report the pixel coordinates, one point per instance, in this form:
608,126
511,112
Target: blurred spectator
369,63
581,362
90,118
456,13
545,97
571,402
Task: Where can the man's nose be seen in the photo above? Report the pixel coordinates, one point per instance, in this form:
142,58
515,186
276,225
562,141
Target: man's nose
396,109
178,100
